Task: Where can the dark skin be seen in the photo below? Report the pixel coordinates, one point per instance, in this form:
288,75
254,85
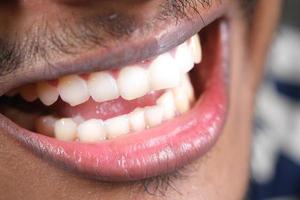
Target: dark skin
221,174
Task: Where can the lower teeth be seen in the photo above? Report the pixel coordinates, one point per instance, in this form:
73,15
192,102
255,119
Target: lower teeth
173,102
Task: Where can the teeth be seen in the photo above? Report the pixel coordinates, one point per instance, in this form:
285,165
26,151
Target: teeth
65,129
181,99
153,116
91,131
166,102
102,87
45,125
196,48
184,58
47,93
73,90
137,120
133,82
188,88
163,73
28,92
117,126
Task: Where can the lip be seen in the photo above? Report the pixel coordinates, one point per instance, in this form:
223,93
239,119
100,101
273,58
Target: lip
152,152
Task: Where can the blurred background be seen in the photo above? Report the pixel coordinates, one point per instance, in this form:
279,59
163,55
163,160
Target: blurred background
276,143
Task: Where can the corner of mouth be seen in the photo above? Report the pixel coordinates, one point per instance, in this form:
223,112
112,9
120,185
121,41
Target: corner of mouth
152,150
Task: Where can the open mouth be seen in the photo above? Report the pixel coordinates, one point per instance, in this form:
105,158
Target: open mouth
132,123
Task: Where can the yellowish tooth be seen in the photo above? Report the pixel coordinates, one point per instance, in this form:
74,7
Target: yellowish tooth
45,125
181,99
65,129
47,93
164,73
137,120
91,131
73,90
133,82
28,92
153,115
195,45
117,126
184,58
166,102
103,87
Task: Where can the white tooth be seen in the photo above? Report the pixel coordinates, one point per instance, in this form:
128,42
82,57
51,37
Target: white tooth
196,48
47,93
102,87
65,129
91,131
73,90
45,125
28,92
163,73
166,102
117,126
184,58
133,82
137,120
153,115
188,87
181,99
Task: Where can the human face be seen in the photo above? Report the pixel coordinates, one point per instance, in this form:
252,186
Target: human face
196,149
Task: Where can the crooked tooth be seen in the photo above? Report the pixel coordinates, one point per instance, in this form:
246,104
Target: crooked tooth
137,120
184,58
166,102
91,131
181,99
188,87
117,126
47,93
133,82
65,129
196,48
45,125
73,90
102,87
28,92
163,73
153,116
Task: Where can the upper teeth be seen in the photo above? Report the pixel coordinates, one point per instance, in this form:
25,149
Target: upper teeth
165,71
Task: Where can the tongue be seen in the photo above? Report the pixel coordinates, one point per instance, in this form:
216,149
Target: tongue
105,110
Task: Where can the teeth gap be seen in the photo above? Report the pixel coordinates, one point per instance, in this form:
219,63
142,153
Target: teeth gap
166,72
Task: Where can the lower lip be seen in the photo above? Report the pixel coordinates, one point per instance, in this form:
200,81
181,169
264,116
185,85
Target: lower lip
152,152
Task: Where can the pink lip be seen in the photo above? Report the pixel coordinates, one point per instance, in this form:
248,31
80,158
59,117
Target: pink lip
152,152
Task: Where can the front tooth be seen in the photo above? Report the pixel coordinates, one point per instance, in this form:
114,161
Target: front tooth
184,58
73,90
47,93
163,73
137,120
166,102
103,87
91,131
153,115
45,125
117,126
133,82
181,99
65,129
196,48
29,93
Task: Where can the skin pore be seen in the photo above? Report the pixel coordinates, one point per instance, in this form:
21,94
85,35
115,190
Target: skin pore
36,34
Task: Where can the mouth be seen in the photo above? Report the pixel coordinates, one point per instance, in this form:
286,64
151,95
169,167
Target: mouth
140,121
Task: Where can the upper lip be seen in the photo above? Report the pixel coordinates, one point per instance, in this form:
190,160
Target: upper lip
114,56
